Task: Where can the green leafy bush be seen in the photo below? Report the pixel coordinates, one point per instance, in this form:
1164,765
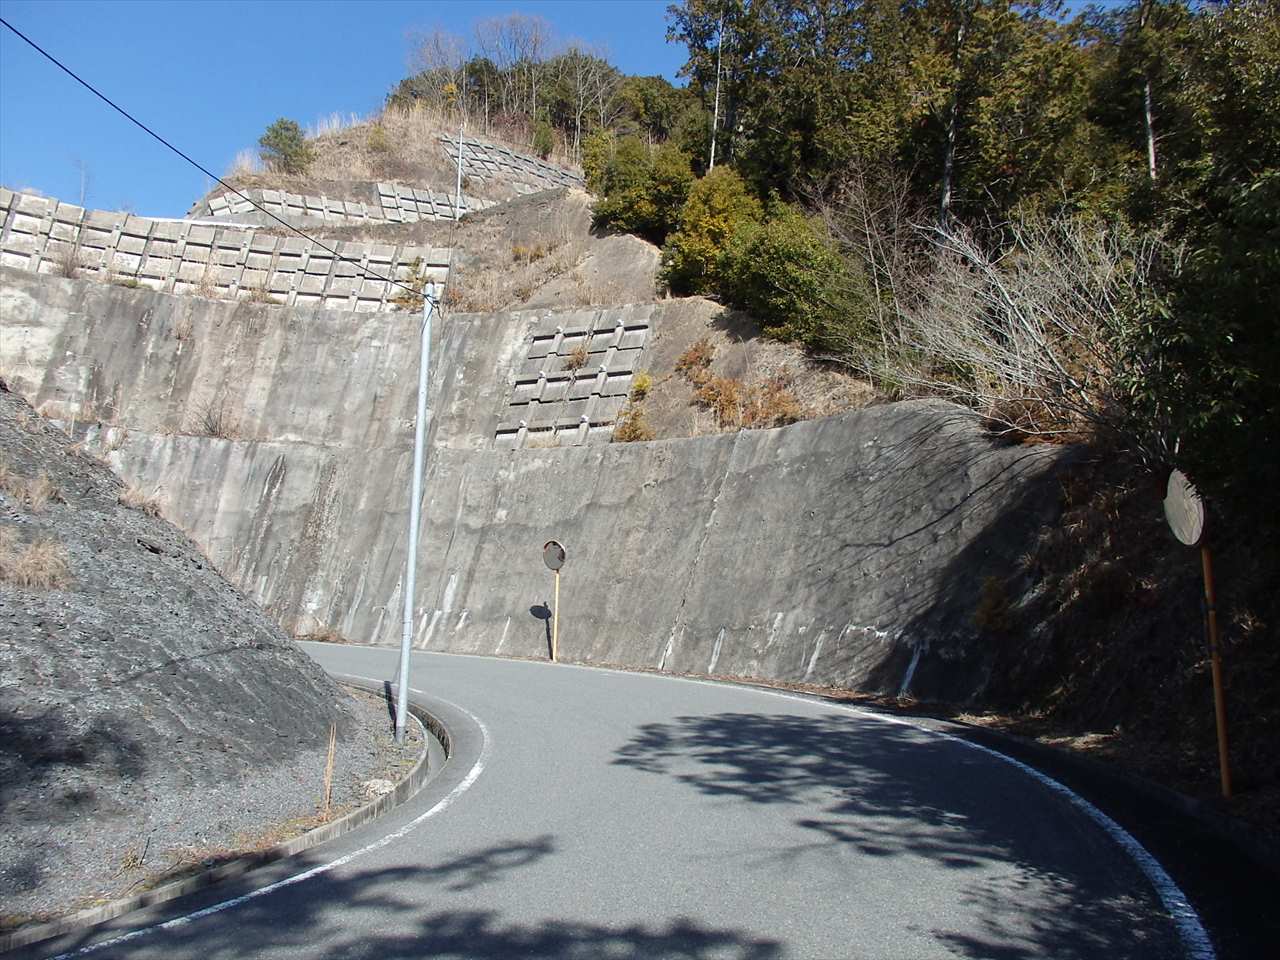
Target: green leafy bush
719,205
789,275
544,139
644,191
597,149
284,149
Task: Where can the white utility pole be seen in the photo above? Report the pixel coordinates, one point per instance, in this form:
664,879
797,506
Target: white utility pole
457,200
430,304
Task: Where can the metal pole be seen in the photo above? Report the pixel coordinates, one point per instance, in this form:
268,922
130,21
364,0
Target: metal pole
555,621
1219,700
457,201
415,499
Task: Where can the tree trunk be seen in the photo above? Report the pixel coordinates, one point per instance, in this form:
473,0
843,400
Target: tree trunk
715,114
953,109
1147,122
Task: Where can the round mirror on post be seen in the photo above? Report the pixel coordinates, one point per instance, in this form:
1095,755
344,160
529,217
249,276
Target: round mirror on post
553,554
1184,509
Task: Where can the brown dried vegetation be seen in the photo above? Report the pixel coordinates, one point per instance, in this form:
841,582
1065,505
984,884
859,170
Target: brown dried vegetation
34,494
135,499
632,426
42,565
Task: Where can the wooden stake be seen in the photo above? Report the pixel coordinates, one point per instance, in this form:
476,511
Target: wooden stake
1219,701
555,620
328,768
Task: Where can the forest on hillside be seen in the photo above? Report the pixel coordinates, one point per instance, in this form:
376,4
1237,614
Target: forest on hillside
1066,218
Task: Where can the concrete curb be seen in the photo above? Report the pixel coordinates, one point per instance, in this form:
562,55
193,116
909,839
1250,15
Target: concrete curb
435,735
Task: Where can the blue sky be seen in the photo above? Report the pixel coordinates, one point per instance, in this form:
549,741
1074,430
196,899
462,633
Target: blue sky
210,77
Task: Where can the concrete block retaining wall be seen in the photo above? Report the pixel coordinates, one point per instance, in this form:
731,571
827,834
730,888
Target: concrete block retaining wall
44,236
488,161
851,550
374,204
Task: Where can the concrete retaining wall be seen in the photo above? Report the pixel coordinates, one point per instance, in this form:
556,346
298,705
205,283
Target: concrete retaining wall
371,204
45,236
483,162
851,550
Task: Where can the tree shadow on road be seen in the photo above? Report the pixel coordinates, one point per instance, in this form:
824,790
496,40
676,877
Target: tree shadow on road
1025,873
381,914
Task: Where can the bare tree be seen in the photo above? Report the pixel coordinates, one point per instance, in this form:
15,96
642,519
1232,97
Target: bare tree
872,215
517,45
440,58
1033,336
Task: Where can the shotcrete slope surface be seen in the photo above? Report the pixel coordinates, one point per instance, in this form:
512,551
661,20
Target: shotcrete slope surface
146,707
851,550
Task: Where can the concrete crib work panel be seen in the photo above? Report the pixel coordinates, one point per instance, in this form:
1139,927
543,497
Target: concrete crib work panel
574,361
486,161
47,237
367,204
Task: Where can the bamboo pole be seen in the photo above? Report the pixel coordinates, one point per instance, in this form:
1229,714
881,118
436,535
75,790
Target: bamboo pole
328,769
555,620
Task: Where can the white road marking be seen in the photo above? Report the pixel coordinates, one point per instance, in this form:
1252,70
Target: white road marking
444,803
1195,939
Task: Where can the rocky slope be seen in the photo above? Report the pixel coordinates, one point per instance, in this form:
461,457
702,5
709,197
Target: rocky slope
149,713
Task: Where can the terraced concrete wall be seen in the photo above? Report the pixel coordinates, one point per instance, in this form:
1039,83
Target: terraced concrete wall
850,550
370,204
483,162
45,236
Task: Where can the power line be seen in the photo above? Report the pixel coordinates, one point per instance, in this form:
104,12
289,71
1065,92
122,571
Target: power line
138,123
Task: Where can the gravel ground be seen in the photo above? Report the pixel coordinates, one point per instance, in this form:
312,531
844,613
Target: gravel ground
160,839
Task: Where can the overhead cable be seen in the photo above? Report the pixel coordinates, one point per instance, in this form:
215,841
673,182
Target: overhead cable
134,120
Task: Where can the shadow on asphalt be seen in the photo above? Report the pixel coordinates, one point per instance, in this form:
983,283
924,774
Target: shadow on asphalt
396,913
1029,874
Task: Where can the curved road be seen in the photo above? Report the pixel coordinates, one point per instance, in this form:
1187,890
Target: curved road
595,814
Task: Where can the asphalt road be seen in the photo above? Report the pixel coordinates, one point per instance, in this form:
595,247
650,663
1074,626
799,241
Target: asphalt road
594,814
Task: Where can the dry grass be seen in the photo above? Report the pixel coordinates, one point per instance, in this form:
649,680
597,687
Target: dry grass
207,285
500,285
322,635
529,254
695,362
135,499
42,565
215,420
641,385
577,358
542,440
34,494
781,385
68,261
257,294
632,426
399,143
